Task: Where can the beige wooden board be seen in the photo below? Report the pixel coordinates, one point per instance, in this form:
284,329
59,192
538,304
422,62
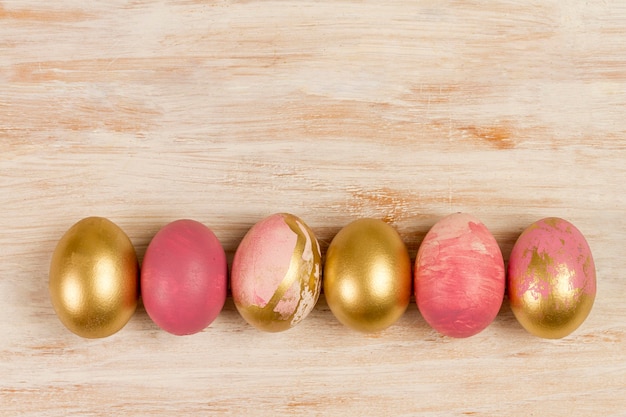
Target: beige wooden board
227,111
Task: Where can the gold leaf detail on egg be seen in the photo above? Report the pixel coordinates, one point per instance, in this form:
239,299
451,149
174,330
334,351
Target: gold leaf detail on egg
302,271
309,291
562,310
552,278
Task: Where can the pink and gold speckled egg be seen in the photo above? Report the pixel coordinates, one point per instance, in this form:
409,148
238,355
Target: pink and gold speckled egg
275,276
551,278
459,276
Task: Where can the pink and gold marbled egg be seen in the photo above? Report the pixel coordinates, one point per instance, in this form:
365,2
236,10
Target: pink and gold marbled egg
459,276
275,276
551,278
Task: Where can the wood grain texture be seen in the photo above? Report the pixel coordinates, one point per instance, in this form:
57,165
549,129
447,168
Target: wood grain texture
227,111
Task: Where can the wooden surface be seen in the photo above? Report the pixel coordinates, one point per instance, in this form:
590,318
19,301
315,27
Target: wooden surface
227,111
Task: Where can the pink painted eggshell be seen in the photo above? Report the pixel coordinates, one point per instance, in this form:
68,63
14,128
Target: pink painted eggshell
551,278
459,276
275,276
184,277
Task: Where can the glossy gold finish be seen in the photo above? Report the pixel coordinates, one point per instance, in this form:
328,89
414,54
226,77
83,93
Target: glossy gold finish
556,311
367,276
94,278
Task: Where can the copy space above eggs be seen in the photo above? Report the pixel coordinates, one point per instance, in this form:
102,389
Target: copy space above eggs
459,276
551,279
275,275
93,278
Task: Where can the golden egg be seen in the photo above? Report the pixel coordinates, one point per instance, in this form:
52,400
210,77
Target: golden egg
94,278
367,275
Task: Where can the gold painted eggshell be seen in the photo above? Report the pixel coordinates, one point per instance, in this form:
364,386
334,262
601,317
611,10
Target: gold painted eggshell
94,278
276,273
367,275
551,278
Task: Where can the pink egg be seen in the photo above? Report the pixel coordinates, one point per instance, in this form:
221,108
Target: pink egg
459,276
275,276
183,277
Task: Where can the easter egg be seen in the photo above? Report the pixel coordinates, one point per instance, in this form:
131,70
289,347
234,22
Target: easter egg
183,277
275,275
93,278
367,275
551,278
459,276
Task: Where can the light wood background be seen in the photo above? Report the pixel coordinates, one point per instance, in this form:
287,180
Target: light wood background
227,111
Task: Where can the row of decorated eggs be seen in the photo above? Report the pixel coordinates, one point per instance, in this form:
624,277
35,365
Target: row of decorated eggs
459,277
